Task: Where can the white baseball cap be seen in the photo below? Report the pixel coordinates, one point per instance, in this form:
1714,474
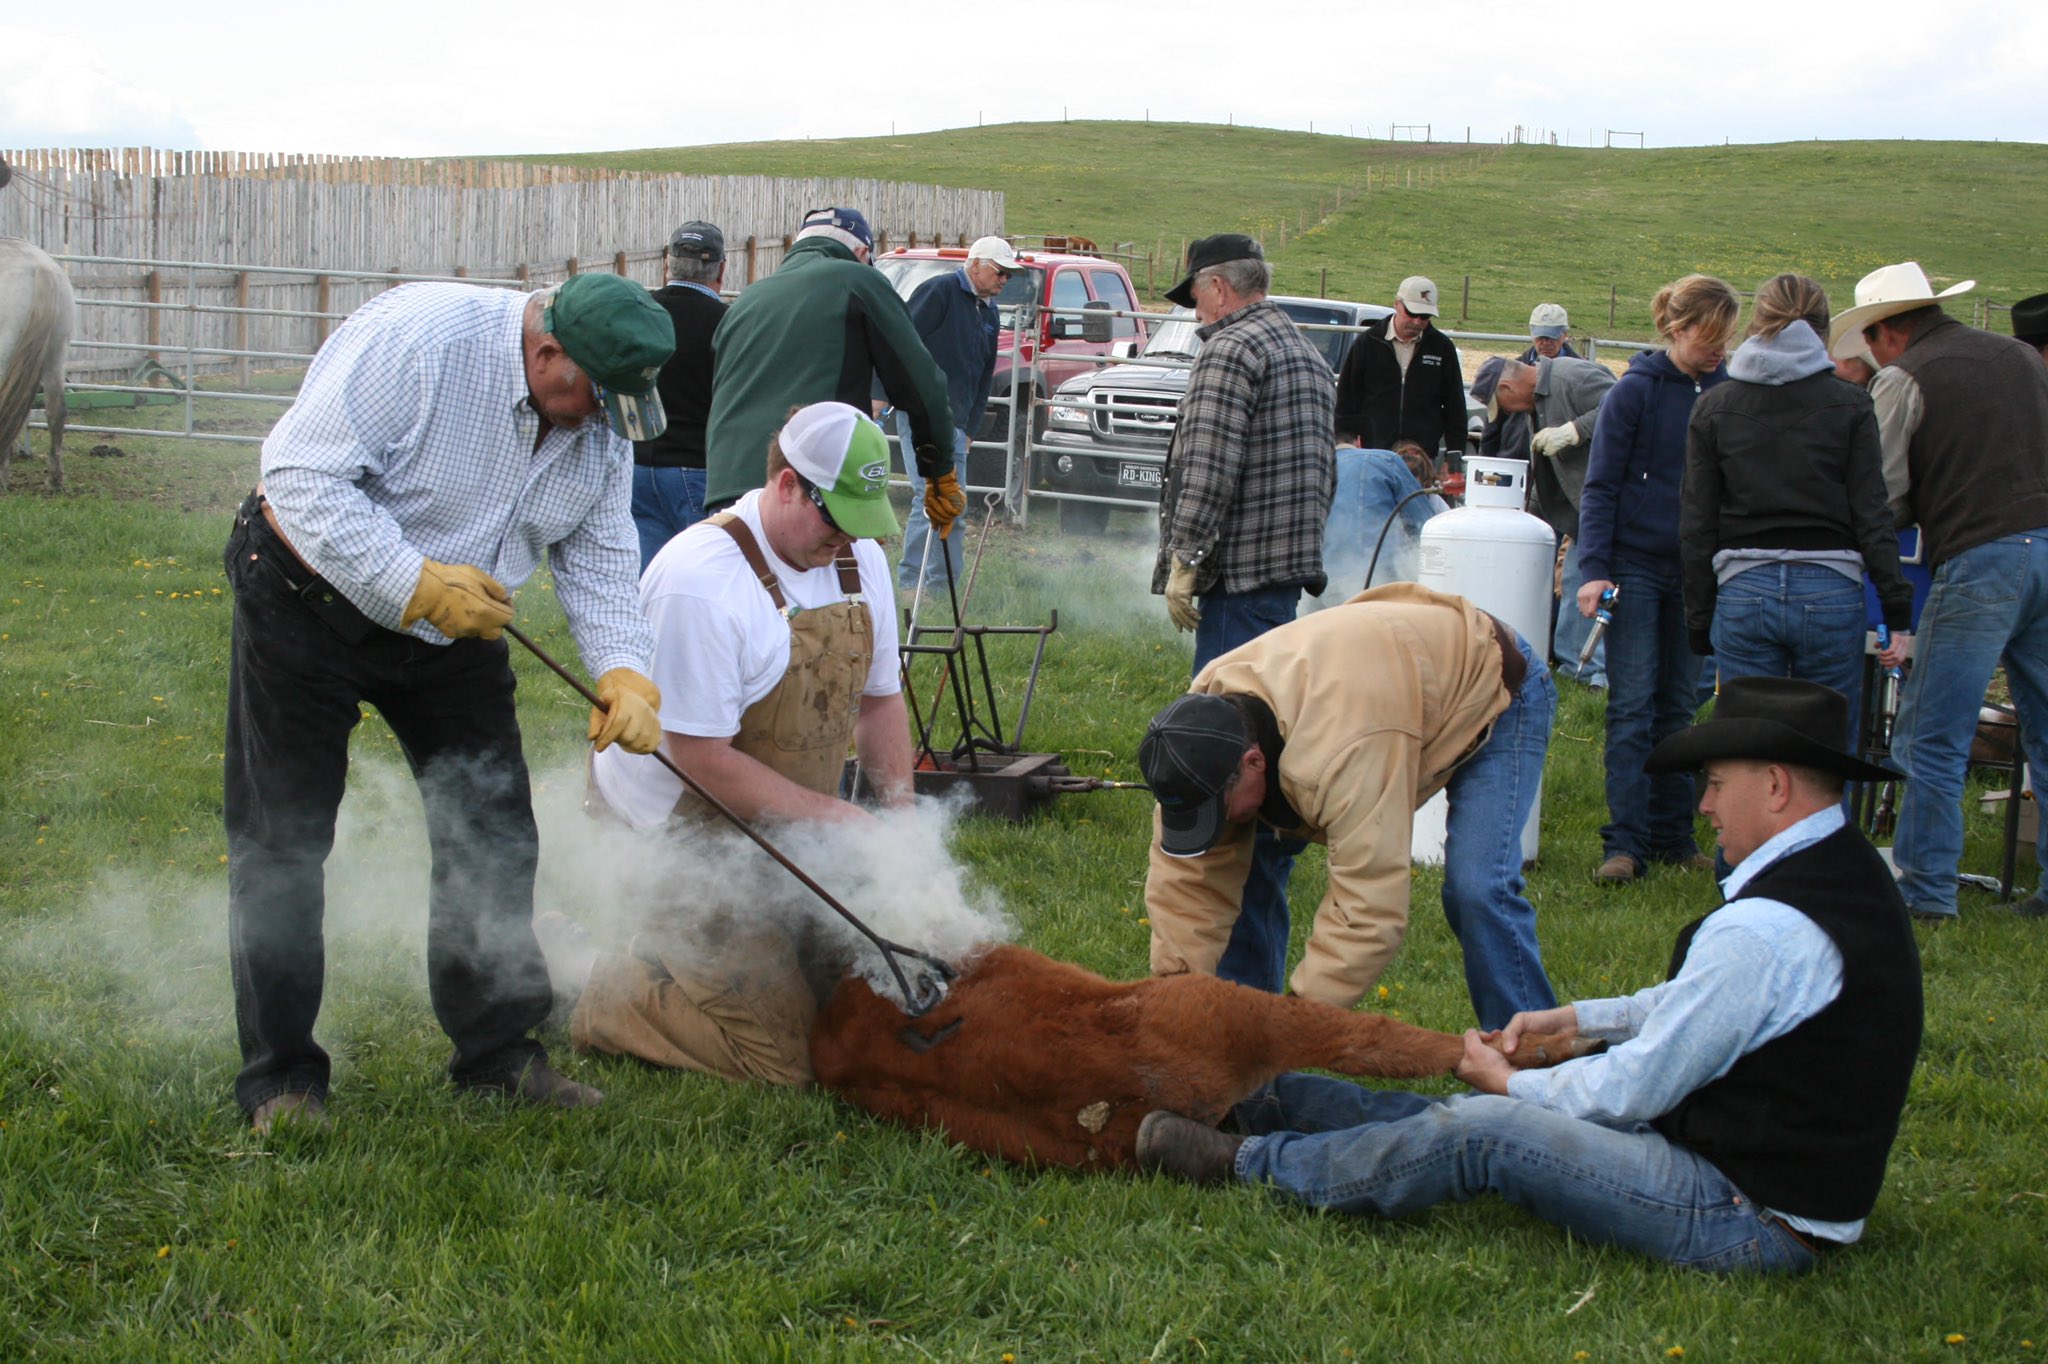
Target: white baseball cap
1418,295
840,451
1547,320
996,252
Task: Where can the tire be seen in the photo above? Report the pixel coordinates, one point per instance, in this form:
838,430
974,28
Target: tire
1084,518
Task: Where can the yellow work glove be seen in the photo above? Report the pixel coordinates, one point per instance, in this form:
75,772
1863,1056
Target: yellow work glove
1180,596
943,502
460,600
629,716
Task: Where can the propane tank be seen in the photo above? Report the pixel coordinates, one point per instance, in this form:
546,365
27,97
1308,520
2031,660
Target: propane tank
1499,558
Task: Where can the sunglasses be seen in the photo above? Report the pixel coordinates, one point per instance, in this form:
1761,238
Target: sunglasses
818,501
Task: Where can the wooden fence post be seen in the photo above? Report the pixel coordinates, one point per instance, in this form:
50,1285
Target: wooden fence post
618,262
1465,308
1323,289
1611,296
750,260
323,298
155,283
524,274
242,329
573,267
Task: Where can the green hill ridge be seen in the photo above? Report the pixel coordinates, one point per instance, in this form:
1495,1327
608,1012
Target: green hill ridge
1526,223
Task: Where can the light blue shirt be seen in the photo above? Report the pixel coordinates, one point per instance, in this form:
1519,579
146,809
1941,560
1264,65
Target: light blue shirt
413,437
700,287
1756,969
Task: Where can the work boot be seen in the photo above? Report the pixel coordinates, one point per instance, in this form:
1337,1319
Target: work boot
295,1108
541,1083
1617,870
1169,1144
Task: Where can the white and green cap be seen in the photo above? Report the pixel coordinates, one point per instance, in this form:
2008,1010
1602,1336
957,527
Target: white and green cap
840,451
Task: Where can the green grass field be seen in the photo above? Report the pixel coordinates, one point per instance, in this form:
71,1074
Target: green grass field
1528,224
687,1219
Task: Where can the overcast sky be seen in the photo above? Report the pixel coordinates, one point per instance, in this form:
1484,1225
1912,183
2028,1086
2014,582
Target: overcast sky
411,79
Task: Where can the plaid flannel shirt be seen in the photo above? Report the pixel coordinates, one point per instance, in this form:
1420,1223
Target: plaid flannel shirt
1253,463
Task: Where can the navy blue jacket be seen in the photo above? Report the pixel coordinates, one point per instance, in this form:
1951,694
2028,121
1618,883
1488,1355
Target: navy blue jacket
960,331
1629,509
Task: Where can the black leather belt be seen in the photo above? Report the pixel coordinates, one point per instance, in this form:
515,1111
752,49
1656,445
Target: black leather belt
1514,669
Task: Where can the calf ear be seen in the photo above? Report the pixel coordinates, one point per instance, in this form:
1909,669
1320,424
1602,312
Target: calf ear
919,1042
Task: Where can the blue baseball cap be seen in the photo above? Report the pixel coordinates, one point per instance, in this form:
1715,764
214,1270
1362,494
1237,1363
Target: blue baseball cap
844,225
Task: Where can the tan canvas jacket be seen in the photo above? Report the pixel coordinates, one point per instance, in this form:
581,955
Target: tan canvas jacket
1377,701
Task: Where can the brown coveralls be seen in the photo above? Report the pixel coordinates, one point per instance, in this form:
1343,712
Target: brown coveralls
748,1017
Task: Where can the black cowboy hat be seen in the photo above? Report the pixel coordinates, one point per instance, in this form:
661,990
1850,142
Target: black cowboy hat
1770,719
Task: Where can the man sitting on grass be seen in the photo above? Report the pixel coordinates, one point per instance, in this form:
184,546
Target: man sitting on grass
1741,1118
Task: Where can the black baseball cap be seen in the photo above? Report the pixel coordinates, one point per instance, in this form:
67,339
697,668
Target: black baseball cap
1188,755
1220,249
700,239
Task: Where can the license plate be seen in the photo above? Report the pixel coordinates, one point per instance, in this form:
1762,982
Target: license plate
1133,475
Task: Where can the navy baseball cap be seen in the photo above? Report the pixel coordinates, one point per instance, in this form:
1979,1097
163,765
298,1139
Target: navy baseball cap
846,225
1486,382
1188,755
698,238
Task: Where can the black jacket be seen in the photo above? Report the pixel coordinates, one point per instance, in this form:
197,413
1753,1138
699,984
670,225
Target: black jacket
685,382
1785,466
1375,402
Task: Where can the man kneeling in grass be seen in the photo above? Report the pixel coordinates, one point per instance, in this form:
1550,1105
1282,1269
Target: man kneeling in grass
1740,1119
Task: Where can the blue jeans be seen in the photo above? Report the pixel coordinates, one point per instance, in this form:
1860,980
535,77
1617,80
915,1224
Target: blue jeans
1793,620
1987,603
1572,628
1257,952
917,530
1490,796
1653,678
666,502
1334,1144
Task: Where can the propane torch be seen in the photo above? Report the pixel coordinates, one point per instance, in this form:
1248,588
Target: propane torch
1603,616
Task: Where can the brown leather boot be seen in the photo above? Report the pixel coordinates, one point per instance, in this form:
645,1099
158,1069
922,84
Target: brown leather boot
1169,1144
295,1108
1617,870
541,1083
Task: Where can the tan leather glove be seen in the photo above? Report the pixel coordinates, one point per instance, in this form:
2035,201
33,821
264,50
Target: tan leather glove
460,600
1180,596
629,718
943,502
1555,440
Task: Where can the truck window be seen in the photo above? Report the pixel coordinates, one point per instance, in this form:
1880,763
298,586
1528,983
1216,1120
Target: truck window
1109,287
1069,290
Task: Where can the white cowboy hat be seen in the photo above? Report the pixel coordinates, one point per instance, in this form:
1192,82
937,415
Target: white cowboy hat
1886,292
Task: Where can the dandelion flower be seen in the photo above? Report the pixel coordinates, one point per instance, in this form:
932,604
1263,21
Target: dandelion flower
163,1252
1675,1352
1954,1338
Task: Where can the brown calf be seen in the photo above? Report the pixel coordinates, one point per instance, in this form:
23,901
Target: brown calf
1042,1062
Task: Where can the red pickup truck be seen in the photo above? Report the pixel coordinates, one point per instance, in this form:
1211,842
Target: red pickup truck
1057,343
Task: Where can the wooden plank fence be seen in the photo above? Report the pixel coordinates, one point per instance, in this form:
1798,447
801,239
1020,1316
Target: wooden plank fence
497,220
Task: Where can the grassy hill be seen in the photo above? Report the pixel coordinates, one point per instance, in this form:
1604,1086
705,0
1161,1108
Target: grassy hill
1528,224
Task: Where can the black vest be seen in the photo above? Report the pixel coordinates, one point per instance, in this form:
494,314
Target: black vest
1803,1123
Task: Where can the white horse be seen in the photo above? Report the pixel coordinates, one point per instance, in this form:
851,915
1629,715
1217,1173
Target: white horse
36,317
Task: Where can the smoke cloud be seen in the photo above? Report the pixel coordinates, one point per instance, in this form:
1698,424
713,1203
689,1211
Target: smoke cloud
157,944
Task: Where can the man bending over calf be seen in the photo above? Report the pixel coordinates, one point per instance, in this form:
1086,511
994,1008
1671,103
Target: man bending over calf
1728,1127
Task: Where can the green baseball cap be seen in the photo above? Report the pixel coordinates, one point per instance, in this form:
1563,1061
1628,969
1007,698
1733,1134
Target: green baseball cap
618,335
842,453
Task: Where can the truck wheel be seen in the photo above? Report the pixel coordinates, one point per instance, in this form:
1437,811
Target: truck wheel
1084,518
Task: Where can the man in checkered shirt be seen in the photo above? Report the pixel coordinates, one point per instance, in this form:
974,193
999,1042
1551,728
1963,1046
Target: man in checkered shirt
446,437
1248,486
